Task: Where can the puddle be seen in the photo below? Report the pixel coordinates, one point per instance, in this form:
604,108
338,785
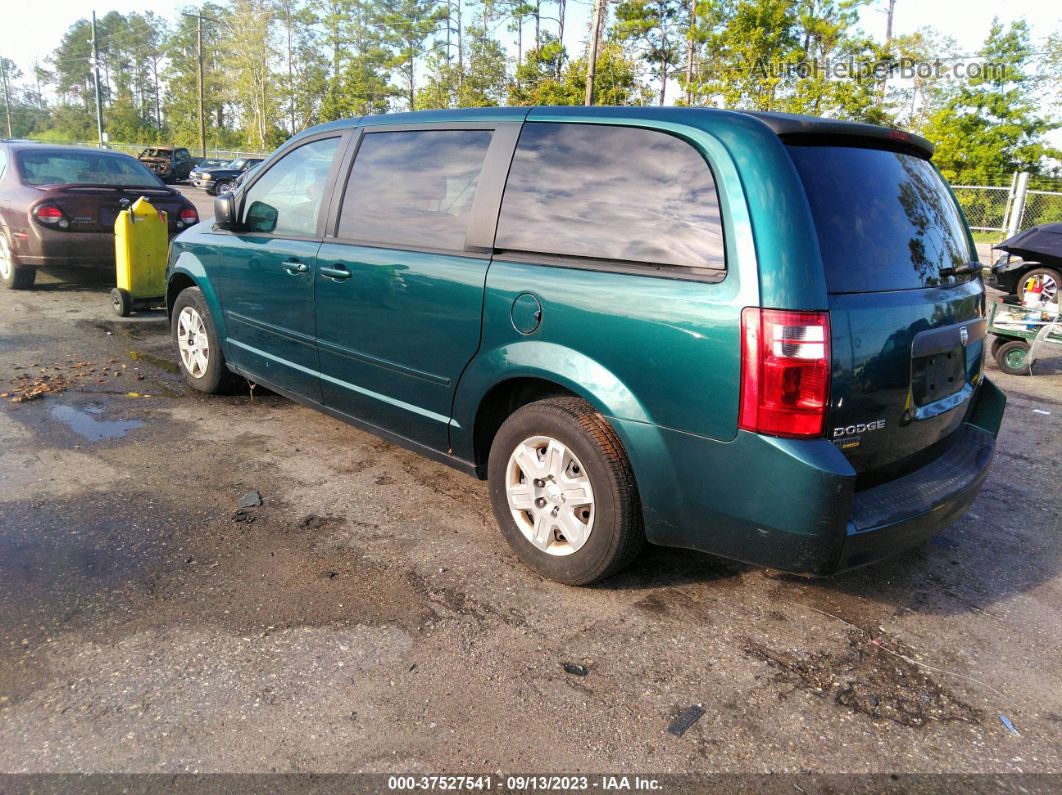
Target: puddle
157,361
84,424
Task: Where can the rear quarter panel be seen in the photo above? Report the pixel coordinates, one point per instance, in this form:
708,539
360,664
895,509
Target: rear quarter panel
651,348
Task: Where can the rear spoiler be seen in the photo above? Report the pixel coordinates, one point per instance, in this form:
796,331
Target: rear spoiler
812,130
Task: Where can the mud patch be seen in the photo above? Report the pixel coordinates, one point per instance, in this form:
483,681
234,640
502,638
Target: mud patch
867,680
156,361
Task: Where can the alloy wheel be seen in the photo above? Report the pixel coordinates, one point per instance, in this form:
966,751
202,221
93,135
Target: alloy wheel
550,495
193,342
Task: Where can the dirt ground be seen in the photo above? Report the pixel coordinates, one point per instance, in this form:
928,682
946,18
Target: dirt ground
368,615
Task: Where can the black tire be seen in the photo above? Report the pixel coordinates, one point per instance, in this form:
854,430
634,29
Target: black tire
997,343
14,276
223,186
121,302
1011,357
1050,273
216,378
617,534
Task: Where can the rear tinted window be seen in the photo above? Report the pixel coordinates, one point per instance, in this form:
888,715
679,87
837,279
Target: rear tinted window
85,168
414,188
619,193
885,220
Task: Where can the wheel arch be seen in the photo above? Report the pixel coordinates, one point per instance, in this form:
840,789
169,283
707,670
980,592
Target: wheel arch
188,271
498,382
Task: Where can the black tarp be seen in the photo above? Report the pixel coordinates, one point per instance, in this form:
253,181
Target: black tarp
1040,244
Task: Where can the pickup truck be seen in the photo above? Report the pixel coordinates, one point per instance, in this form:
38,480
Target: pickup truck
168,163
216,181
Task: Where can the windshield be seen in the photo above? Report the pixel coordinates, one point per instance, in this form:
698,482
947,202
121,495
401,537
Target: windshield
885,220
84,168
155,153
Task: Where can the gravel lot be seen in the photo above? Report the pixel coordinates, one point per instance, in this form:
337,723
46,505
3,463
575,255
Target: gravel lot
369,617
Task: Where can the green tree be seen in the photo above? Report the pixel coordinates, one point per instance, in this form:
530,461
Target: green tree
248,56
408,27
991,122
655,28
180,106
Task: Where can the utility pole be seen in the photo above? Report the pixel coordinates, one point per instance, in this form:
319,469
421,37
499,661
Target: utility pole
96,79
198,16
888,41
591,58
7,97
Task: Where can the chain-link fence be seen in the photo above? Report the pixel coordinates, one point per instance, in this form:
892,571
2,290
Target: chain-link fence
1041,207
995,212
986,206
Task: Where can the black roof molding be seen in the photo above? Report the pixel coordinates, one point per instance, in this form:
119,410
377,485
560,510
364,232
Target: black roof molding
795,128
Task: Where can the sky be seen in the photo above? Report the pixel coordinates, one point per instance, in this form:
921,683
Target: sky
29,31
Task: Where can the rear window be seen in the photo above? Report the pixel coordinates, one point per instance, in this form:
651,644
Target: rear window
885,220
83,168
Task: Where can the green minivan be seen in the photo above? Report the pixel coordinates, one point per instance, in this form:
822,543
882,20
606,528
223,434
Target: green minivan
756,335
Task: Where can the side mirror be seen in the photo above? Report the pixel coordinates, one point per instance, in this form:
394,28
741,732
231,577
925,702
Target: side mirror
262,217
225,211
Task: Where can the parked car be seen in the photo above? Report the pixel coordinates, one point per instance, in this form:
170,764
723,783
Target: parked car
203,164
221,180
1036,252
58,205
168,163
756,335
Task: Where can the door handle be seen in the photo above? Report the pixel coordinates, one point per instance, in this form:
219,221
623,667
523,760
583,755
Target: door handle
294,267
336,273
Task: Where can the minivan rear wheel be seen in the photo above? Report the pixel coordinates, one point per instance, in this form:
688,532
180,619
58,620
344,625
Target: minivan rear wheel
198,346
563,492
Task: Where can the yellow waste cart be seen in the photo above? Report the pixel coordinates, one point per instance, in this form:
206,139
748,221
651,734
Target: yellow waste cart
140,246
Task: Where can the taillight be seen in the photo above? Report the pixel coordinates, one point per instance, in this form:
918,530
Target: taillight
785,371
189,216
50,215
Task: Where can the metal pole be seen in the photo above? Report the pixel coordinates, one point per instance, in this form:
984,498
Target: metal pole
888,41
96,78
1017,208
202,111
7,97
591,57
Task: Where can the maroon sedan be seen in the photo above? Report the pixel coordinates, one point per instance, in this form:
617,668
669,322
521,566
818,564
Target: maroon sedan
58,205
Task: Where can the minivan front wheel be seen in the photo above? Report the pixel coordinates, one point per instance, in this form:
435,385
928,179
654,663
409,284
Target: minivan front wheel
199,353
563,492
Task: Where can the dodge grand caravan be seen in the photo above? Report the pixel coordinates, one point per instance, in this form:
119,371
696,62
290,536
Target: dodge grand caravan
756,335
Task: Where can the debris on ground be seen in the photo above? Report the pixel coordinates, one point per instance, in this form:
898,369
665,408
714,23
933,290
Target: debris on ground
681,724
575,669
27,387
60,377
251,499
1008,725
242,516
868,679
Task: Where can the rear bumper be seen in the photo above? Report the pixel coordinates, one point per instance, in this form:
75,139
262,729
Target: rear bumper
906,512
791,504
55,247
